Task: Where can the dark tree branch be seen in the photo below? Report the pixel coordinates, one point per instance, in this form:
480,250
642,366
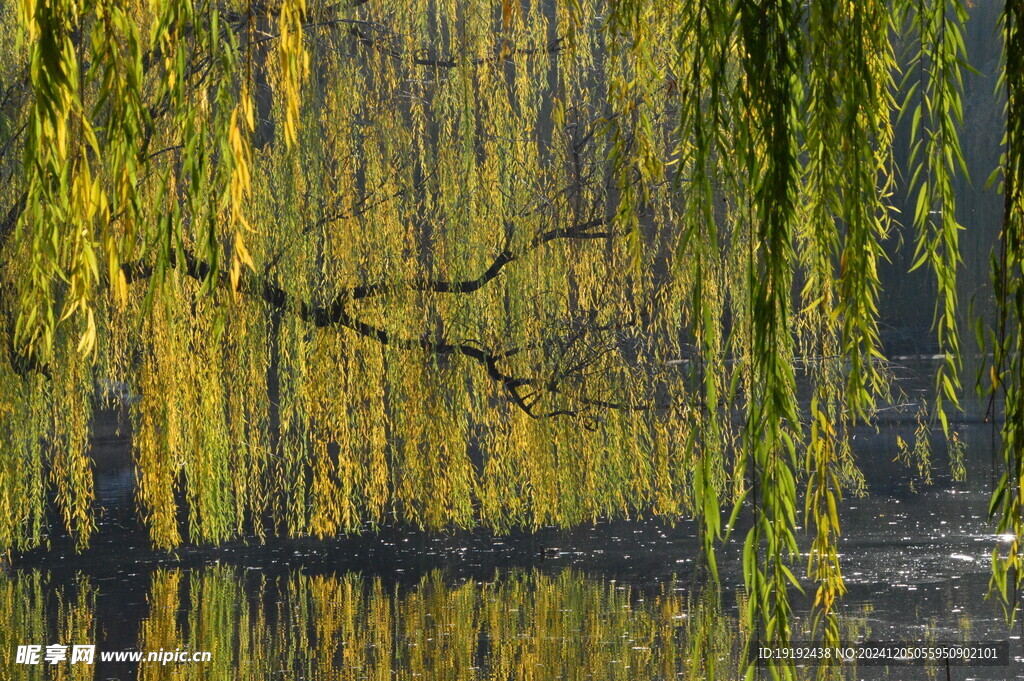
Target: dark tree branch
335,315
580,231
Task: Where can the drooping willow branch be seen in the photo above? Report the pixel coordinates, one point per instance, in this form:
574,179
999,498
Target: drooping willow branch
1006,373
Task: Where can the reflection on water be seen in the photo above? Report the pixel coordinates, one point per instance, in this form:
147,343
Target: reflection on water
523,625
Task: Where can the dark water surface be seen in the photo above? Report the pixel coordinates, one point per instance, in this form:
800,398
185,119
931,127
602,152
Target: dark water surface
619,600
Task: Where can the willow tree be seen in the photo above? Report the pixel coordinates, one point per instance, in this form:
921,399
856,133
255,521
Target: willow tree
465,263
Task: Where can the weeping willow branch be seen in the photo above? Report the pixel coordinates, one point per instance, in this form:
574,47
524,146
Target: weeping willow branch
936,158
1006,373
771,36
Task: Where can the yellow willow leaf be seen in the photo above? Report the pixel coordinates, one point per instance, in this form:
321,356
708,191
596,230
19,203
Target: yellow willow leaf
87,342
121,287
247,107
234,274
241,252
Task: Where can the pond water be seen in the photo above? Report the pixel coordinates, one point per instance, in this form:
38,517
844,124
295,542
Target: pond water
618,600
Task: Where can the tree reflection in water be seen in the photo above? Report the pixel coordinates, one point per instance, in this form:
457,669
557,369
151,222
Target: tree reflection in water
523,625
